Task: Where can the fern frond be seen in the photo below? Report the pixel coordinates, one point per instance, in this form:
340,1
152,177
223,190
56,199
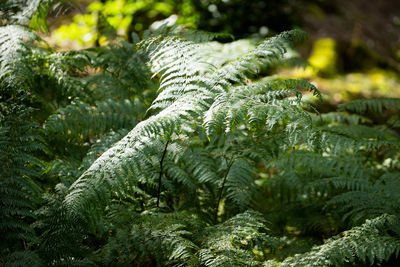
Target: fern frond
178,63
102,145
376,105
370,201
368,243
125,73
61,235
67,69
81,121
240,183
265,53
66,171
356,137
22,11
233,242
162,239
20,140
344,117
261,103
13,50
321,166
129,148
22,258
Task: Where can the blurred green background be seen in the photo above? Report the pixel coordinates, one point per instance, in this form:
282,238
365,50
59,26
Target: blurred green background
353,48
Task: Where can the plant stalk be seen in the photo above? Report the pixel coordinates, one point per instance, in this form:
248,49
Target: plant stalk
221,190
161,172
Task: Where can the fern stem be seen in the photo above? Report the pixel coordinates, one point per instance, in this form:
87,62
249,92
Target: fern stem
159,177
221,190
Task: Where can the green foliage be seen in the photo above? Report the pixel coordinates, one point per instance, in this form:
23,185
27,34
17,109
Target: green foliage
61,235
80,121
32,12
236,241
156,153
19,194
12,39
374,105
368,243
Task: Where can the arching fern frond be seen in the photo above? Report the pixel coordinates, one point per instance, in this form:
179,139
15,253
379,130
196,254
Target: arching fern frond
265,53
357,137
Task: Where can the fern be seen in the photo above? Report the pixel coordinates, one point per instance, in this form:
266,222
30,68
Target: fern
21,12
93,120
373,200
368,243
234,241
12,47
179,112
61,236
374,105
159,153
158,239
19,141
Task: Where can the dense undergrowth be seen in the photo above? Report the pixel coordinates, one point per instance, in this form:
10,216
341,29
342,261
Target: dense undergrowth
158,153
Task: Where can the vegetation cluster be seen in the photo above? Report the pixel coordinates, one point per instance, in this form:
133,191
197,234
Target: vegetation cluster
172,149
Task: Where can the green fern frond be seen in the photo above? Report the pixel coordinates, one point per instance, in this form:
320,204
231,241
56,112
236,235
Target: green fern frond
368,243
125,73
102,145
61,235
22,258
66,171
321,166
234,242
375,105
356,137
264,54
13,41
81,121
344,118
159,239
240,183
370,201
260,103
67,69
22,11
20,140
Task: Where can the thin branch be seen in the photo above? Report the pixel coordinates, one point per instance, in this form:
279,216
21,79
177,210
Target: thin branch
221,190
161,171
